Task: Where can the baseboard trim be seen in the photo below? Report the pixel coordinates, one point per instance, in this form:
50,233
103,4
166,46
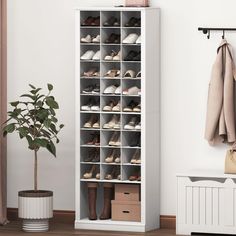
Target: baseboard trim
167,222
68,217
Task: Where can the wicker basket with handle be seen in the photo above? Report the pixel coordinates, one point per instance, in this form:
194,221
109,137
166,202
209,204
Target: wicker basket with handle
136,3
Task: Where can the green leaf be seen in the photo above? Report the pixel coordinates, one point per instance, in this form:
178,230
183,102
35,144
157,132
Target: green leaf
51,148
52,103
14,104
35,91
23,131
41,115
8,129
41,142
53,128
50,87
52,112
30,142
54,119
32,86
61,126
28,96
47,123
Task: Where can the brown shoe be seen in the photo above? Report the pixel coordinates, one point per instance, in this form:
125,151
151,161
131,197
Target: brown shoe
108,196
92,198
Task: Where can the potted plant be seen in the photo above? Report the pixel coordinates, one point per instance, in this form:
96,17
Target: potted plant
34,119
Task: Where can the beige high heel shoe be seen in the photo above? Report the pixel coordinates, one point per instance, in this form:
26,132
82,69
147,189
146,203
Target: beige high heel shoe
89,174
115,174
136,157
110,157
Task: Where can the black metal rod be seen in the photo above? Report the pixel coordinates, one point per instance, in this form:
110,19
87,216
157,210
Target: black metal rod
205,30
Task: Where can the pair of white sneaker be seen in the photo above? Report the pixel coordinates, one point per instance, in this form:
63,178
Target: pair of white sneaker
91,55
89,39
132,38
132,91
112,89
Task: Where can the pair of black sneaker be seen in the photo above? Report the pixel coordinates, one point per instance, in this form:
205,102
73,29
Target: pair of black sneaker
92,89
133,56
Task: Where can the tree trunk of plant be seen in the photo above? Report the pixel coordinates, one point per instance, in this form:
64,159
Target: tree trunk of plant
35,170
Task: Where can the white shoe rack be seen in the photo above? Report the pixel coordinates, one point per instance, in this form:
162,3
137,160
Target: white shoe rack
149,115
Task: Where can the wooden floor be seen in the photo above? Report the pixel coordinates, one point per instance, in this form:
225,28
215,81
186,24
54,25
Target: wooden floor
14,228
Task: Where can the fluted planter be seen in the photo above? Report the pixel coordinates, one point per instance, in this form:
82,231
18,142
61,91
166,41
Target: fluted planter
35,208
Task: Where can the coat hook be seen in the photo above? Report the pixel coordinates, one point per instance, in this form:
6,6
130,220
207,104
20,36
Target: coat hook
223,36
209,32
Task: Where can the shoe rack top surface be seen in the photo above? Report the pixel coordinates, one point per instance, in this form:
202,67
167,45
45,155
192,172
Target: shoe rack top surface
100,8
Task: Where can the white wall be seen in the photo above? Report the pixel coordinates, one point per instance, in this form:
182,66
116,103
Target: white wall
41,50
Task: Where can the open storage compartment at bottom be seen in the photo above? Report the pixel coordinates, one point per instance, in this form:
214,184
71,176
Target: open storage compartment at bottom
98,202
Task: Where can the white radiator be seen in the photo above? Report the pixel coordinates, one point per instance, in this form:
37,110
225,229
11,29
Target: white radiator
206,203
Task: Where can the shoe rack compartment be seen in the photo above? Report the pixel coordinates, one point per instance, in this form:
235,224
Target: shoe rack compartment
88,136
87,153
106,118
84,200
128,155
107,49
106,15
86,168
127,15
131,171
85,14
98,144
88,82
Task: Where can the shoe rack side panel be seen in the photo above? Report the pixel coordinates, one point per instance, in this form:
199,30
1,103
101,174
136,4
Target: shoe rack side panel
77,113
151,117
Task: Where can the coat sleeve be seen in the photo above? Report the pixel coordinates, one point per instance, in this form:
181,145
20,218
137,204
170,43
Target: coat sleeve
215,99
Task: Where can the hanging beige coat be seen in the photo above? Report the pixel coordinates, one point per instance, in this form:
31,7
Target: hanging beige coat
220,121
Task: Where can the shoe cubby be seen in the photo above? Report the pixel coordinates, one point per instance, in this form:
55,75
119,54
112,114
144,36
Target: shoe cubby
89,138
126,32
108,125
90,69
130,104
90,171
106,17
86,84
130,53
107,83
131,157
110,122
111,36
109,104
126,17
111,138
107,50
131,139
90,155
131,173
131,122
85,15
88,119
111,172
108,153
84,202
135,67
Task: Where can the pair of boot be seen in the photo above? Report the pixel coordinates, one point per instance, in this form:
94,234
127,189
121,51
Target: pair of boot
92,198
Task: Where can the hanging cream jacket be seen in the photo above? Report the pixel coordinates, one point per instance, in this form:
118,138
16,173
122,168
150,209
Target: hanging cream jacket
220,121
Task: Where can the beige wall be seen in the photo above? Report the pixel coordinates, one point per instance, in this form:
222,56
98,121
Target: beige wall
41,50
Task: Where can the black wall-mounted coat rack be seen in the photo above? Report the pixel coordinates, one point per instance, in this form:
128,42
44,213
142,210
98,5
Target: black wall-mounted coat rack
208,31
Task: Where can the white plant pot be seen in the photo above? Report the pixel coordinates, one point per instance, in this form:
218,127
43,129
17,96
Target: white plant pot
35,208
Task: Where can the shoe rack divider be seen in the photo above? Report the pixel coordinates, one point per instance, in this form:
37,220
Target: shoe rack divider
83,135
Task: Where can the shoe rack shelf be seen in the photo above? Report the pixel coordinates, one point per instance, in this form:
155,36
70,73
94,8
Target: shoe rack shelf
143,140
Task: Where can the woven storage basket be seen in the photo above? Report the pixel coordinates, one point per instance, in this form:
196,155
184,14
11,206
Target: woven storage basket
136,3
